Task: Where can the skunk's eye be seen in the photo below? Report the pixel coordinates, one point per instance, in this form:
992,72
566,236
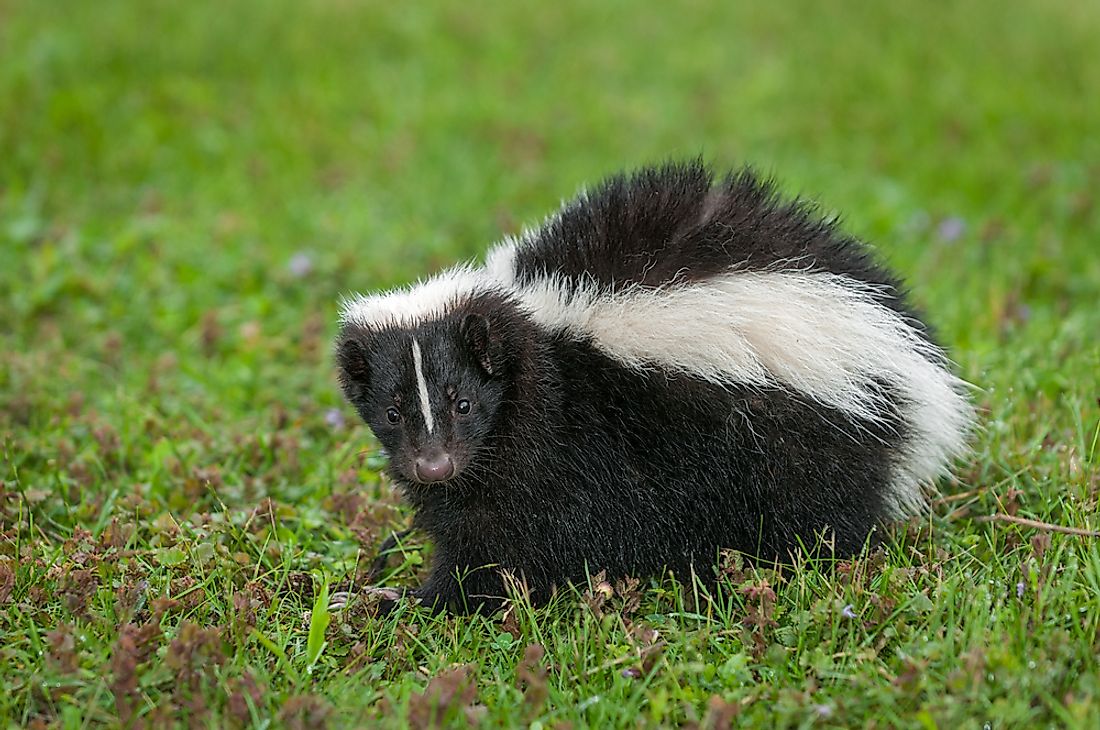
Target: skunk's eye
392,415
462,407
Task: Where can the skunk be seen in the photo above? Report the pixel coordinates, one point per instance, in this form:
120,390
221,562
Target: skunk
671,365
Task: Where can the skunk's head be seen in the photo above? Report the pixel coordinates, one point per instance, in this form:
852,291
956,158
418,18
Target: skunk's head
432,393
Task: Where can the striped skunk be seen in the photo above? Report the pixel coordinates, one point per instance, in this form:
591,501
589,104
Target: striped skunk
671,365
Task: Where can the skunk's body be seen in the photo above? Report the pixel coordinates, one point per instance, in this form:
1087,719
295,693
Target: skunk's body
668,367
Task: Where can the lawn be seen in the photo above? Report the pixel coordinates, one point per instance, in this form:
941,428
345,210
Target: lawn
187,189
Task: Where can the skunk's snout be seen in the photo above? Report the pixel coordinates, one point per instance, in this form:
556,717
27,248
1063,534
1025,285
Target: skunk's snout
435,467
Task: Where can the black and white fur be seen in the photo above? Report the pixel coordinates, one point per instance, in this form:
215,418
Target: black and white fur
671,365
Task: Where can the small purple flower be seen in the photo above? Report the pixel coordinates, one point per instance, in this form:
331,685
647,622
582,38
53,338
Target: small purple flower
1020,589
847,612
334,419
823,711
950,229
300,265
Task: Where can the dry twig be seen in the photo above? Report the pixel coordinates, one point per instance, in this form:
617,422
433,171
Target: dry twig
1024,521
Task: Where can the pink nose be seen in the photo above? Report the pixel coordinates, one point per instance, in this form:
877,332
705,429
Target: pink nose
435,468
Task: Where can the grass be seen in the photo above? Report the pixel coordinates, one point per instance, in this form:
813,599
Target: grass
187,188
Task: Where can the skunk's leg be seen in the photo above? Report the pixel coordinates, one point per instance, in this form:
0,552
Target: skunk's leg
441,591
339,600
477,591
384,551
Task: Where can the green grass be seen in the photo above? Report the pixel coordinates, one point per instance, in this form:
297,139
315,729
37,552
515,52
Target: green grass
181,484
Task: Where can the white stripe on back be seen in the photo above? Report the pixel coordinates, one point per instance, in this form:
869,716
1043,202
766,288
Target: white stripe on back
422,387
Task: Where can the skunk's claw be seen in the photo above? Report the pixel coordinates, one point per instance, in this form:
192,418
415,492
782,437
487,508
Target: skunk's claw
384,593
339,601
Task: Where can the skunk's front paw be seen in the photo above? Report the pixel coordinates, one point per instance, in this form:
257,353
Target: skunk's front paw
386,597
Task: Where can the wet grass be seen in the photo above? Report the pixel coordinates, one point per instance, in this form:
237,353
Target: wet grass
186,190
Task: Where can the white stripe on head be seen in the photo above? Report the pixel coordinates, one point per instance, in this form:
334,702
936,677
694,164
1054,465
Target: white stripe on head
422,387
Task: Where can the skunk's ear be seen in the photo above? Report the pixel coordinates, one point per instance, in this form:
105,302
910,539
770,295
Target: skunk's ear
353,361
475,332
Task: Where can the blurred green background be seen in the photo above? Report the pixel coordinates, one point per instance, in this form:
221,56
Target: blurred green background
186,190
172,157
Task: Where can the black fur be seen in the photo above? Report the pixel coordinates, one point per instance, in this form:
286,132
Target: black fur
568,463
676,223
